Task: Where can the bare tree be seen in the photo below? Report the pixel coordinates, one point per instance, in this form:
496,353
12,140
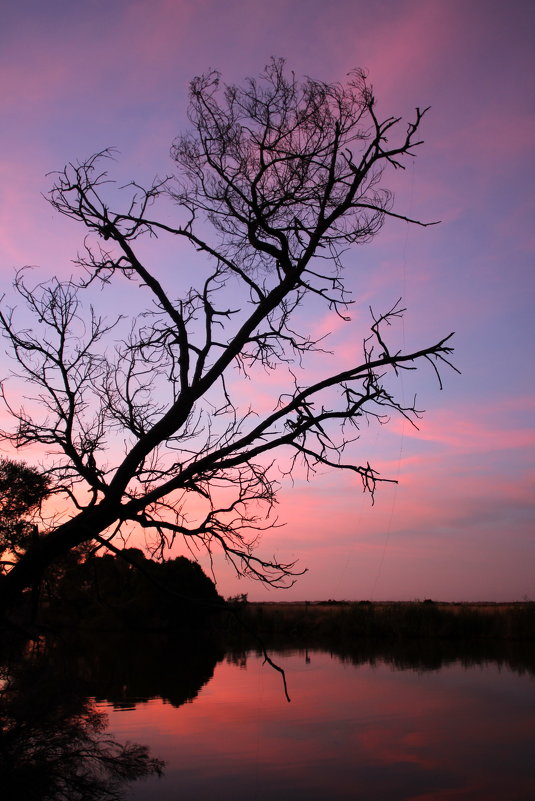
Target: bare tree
276,180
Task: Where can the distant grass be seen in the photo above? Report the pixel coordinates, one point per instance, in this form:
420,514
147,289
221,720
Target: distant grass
349,622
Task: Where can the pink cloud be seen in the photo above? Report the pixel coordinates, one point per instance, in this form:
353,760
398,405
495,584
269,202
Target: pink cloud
498,424
468,435
402,48
492,138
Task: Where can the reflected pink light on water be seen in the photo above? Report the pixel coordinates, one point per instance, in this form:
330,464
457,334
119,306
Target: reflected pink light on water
451,734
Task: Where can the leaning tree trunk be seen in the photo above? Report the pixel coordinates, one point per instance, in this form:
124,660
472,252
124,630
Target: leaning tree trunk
31,567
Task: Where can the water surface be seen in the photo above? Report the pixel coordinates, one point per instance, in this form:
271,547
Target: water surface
354,730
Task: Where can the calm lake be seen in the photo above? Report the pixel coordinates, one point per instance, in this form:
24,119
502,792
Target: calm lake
90,717
376,730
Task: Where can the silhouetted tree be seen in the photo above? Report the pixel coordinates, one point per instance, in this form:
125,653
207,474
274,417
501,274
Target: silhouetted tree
22,491
276,180
129,590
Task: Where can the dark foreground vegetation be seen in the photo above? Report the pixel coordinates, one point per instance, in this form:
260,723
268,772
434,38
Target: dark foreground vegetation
125,592
422,636
337,622
130,592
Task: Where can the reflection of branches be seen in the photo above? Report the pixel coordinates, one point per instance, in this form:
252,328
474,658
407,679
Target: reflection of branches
55,746
288,177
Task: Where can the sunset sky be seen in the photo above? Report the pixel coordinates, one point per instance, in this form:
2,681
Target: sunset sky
78,77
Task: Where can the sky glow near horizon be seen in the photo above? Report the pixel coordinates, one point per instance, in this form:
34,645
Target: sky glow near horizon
460,525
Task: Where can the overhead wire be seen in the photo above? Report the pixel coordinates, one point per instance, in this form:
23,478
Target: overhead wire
403,421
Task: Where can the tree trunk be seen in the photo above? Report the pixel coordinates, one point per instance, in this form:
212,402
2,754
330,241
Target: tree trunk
31,567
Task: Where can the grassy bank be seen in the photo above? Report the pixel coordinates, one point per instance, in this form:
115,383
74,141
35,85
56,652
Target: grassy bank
337,621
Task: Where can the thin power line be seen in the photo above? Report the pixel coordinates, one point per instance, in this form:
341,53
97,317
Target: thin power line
404,294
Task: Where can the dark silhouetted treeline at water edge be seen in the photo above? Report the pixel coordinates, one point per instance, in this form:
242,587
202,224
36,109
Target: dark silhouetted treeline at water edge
129,591
125,591
345,622
417,635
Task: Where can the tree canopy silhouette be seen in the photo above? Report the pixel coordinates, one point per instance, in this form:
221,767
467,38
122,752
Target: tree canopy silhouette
22,491
276,179
126,590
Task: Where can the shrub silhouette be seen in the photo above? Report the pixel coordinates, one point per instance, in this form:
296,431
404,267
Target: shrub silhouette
133,591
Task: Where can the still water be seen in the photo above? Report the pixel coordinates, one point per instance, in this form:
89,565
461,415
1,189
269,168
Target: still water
355,729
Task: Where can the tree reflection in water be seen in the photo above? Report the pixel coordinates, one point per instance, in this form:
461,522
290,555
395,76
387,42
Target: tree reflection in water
53,742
